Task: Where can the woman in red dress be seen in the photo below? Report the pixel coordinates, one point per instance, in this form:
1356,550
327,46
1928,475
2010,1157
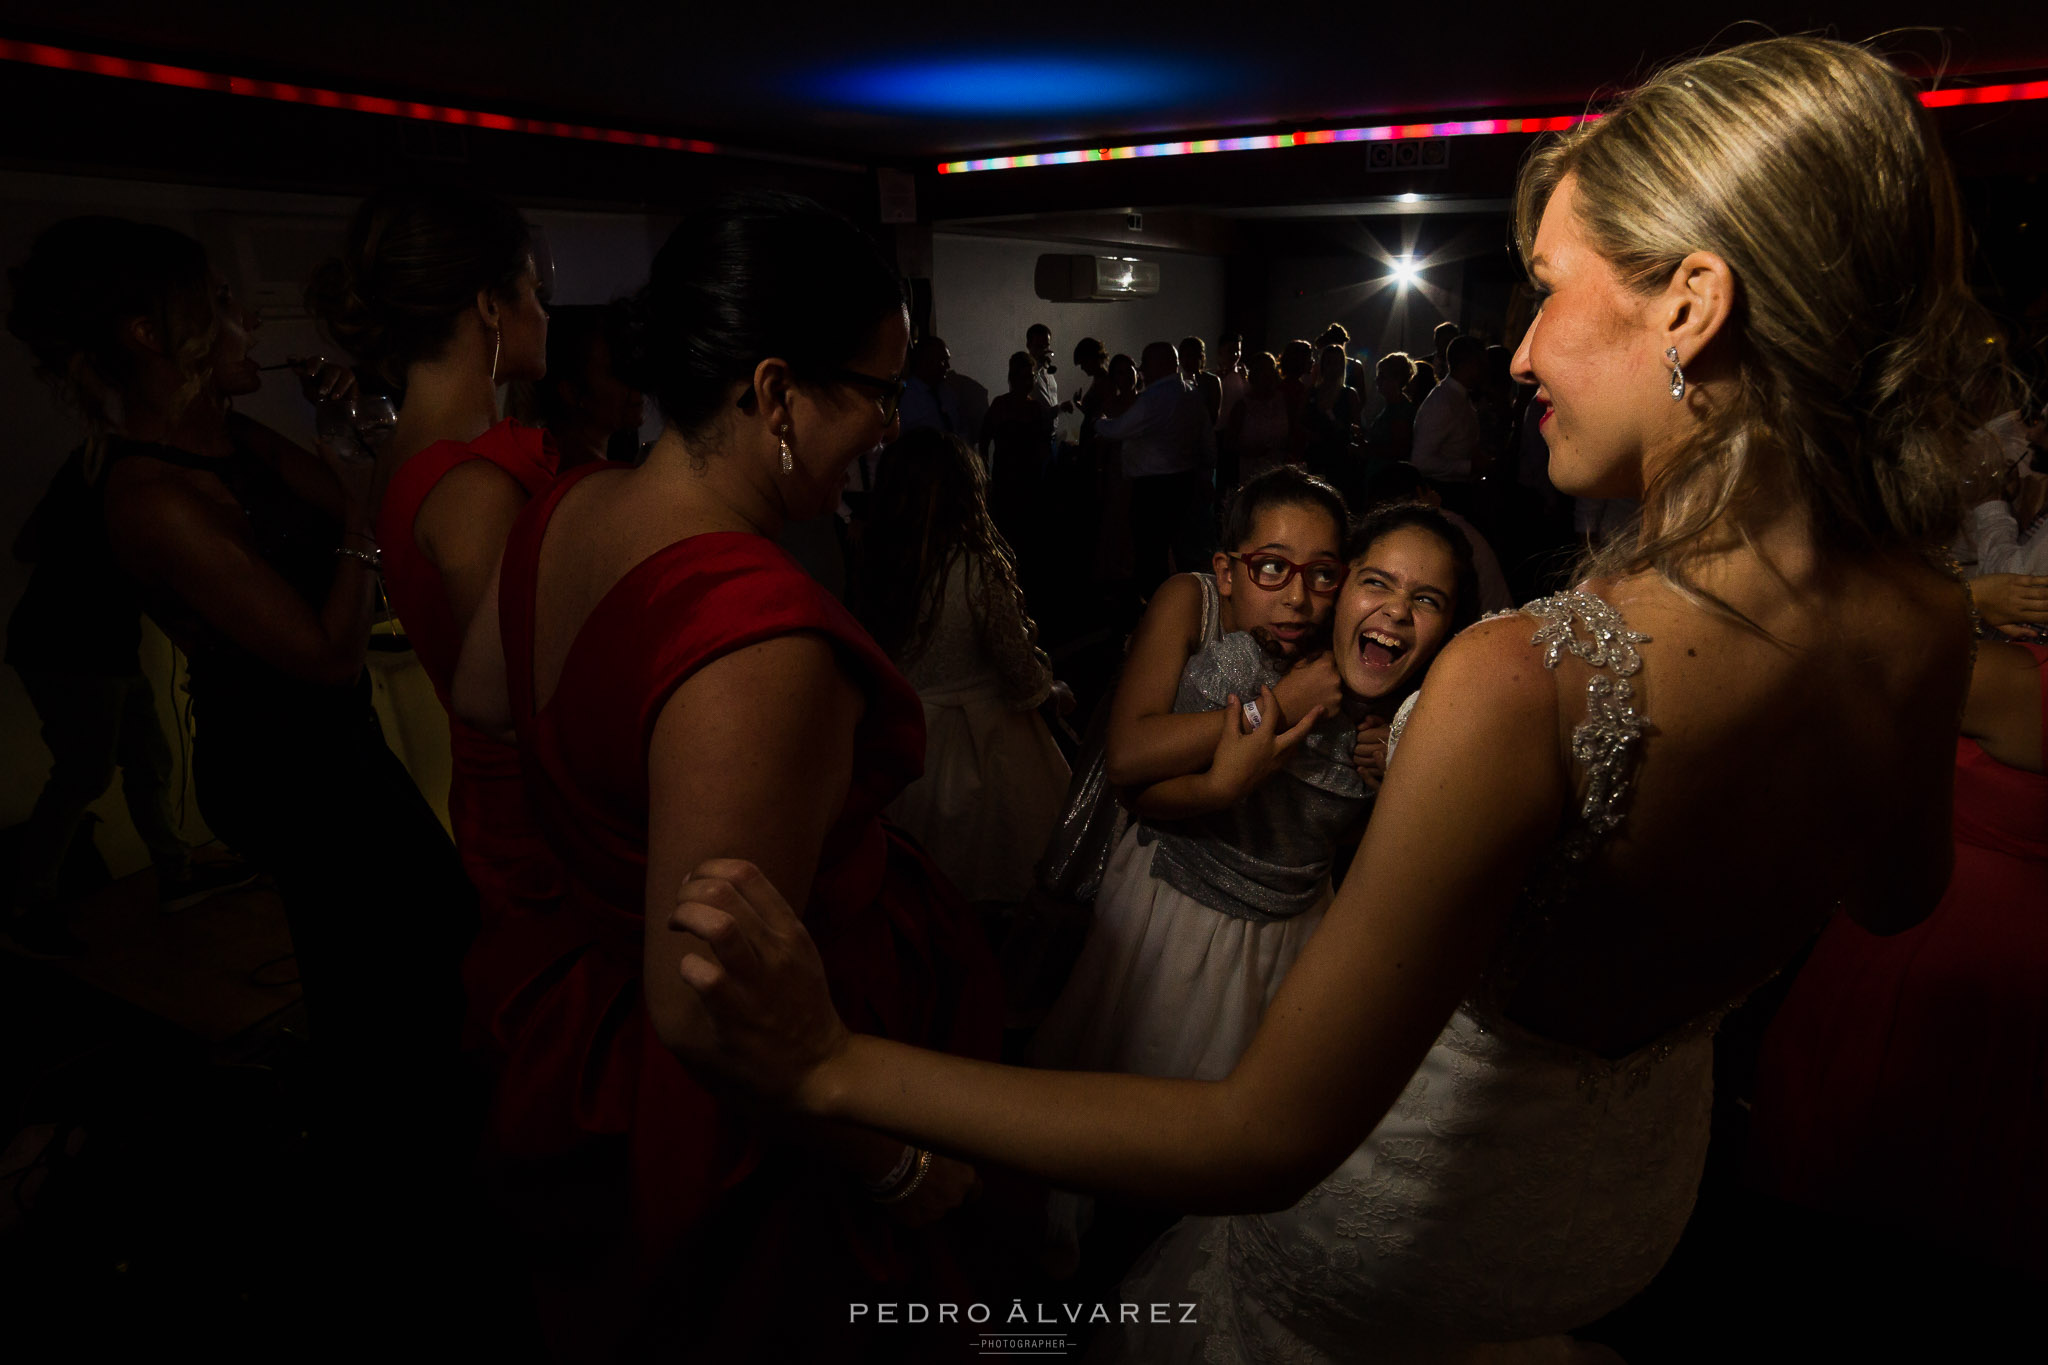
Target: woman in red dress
1901,1083
680,687
437,292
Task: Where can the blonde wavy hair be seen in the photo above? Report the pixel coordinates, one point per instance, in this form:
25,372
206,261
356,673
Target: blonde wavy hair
1863,360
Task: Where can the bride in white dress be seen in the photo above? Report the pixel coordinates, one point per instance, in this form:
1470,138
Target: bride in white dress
1473,1117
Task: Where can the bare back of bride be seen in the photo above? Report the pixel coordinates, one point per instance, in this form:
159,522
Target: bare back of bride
1475,1115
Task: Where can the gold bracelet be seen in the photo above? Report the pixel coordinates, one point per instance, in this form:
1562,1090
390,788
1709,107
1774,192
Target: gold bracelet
924,1166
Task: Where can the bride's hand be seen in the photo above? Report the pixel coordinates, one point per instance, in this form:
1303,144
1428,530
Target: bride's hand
2008,599
773,1026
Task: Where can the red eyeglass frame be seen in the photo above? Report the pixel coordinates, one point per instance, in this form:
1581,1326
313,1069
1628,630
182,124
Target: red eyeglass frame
1292,570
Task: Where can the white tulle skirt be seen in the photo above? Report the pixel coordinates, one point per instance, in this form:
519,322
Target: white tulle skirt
1167,986
993,786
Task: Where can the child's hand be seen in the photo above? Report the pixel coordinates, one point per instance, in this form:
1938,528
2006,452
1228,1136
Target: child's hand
1246,755
1369,753
1313,682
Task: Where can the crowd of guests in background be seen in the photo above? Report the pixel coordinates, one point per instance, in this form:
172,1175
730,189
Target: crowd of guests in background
1103,491
1170,608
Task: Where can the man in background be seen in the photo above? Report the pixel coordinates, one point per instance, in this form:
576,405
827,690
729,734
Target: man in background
928,400
1447,436
1169,455
1194,369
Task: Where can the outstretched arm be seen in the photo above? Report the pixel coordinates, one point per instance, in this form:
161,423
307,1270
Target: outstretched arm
1479,788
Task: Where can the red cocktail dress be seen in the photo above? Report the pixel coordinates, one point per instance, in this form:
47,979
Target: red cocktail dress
502,849
588,1099
1903,1081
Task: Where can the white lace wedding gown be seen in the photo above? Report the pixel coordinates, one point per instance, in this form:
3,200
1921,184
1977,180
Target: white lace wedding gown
1517,1189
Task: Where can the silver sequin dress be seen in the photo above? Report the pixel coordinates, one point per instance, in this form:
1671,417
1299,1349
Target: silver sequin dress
1198,920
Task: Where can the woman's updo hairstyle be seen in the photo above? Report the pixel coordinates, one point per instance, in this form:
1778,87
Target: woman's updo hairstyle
413,260
83,279
750,276
1863,361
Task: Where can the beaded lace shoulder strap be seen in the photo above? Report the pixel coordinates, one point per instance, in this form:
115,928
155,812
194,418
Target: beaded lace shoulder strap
1609,740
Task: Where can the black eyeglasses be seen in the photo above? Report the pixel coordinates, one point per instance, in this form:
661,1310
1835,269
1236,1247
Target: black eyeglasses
888,392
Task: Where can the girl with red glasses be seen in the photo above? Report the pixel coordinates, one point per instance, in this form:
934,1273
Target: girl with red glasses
1228,868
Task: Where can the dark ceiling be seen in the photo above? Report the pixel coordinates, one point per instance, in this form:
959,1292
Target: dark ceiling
900,82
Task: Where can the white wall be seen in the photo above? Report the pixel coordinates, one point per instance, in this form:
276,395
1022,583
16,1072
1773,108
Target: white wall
983,299
254,237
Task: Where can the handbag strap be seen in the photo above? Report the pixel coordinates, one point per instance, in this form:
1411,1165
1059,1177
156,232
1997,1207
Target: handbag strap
1212,606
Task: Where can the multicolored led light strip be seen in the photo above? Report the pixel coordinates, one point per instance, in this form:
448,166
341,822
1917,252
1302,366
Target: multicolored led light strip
184,77
1392,132
1933,99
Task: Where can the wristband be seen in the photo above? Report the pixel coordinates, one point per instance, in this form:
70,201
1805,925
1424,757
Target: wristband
878,1188
909,1187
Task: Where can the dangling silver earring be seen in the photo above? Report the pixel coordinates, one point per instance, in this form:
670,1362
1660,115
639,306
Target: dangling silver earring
788,460
497,341
1677,375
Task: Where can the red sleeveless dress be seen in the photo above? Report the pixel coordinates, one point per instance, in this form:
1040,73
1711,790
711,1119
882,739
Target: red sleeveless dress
1903,1080
502,850
582,1069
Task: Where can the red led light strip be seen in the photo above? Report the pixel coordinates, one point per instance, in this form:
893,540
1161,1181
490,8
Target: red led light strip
1933,99
1985,94
186,78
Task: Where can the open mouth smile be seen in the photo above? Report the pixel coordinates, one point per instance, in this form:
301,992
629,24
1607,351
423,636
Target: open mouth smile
1379,650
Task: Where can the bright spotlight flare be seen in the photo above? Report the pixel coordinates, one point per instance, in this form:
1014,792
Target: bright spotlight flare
1404,271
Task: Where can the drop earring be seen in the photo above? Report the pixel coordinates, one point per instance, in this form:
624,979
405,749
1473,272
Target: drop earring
1677,374
497,341
788,460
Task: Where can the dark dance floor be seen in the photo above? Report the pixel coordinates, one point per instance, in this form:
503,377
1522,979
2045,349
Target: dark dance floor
158,1189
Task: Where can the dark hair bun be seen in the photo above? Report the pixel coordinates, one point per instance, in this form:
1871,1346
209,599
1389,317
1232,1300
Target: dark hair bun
412,261
84,277
748,277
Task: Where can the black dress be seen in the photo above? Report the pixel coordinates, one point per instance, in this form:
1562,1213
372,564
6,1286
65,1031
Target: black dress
296,776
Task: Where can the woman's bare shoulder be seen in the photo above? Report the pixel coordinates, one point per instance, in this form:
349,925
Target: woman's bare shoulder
1496,668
